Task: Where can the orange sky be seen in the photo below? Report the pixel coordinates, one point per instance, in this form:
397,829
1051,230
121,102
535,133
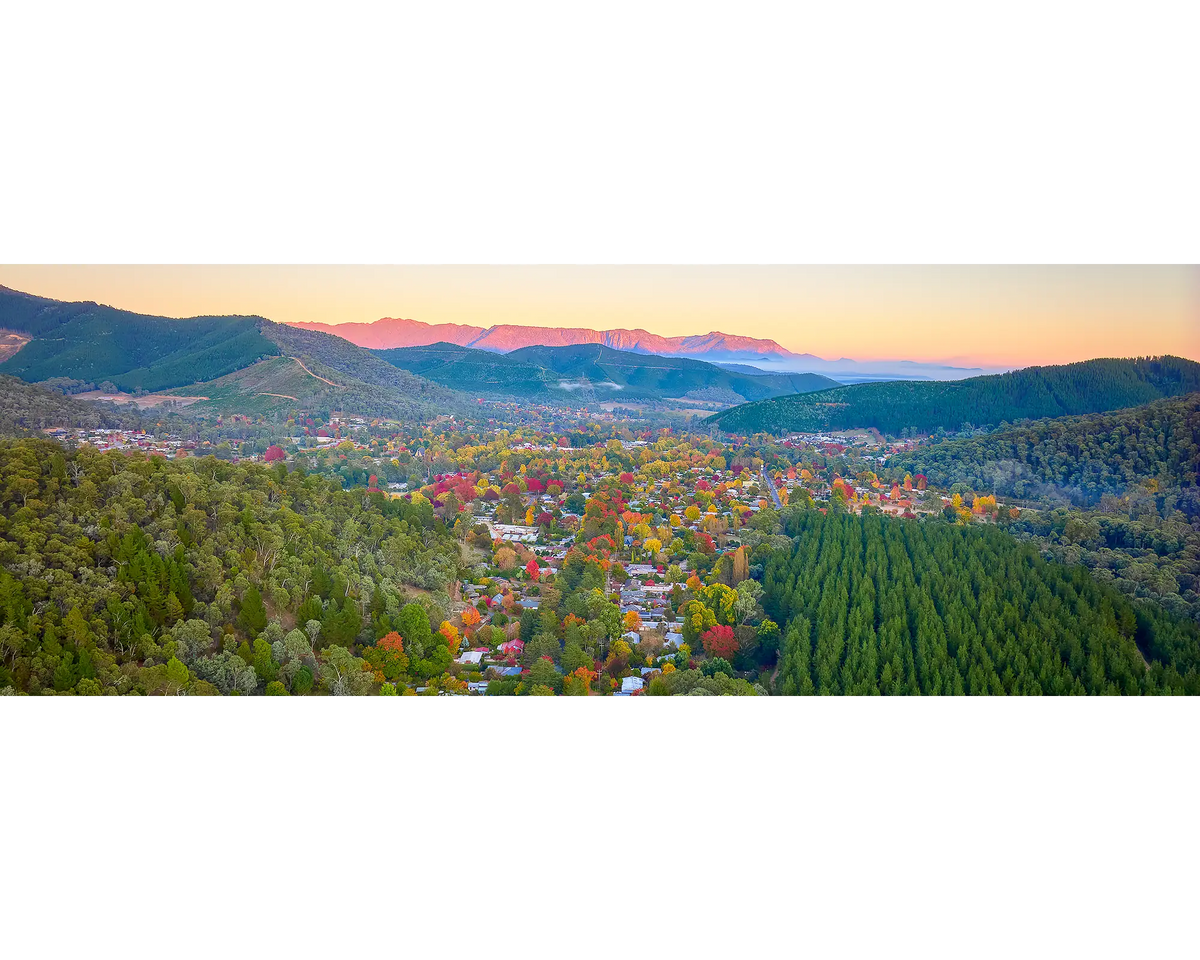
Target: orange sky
968,315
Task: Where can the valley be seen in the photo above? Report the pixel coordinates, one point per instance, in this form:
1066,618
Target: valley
226,505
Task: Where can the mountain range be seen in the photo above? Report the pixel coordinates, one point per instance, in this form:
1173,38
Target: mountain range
252,365
505,337
715,347
563,373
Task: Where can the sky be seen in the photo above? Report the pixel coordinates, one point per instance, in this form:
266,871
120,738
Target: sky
965,315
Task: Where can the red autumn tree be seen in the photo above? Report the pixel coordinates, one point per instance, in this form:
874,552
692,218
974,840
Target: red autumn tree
533,570
274,453
719,641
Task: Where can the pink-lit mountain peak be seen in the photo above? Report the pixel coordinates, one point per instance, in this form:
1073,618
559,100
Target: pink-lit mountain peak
503,338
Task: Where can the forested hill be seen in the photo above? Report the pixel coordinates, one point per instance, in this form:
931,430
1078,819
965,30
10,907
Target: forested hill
557,372
1092,386
96,343
1078,458
879,605
125,574
652,375
26,408
92,343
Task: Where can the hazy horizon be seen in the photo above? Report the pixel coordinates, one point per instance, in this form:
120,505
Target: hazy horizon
974,316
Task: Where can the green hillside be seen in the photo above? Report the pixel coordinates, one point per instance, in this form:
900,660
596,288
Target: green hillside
87,341
558,372
469,370
1080,458
877,605
1092,386
279,385
235,361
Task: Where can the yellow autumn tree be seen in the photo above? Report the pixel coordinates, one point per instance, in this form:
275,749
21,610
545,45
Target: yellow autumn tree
505,558
453,640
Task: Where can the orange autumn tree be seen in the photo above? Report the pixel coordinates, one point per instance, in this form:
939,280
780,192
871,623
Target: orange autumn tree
633,621
470,618
450,632
578,683
387,658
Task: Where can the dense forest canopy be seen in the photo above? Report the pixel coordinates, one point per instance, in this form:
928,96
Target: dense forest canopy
88,341
131,575
1078,458
25,408
1092,386
877,605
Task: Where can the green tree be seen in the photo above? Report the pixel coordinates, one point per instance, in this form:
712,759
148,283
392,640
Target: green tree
253,616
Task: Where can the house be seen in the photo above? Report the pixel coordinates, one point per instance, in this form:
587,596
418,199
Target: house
477,686
630,684
471,656
512,648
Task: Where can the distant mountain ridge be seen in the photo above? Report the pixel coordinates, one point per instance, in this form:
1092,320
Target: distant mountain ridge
560,373
715,347
391,332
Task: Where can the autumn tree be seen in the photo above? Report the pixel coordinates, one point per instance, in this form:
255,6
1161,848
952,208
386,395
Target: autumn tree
387,657
719,641
578,683
741,566
450,633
